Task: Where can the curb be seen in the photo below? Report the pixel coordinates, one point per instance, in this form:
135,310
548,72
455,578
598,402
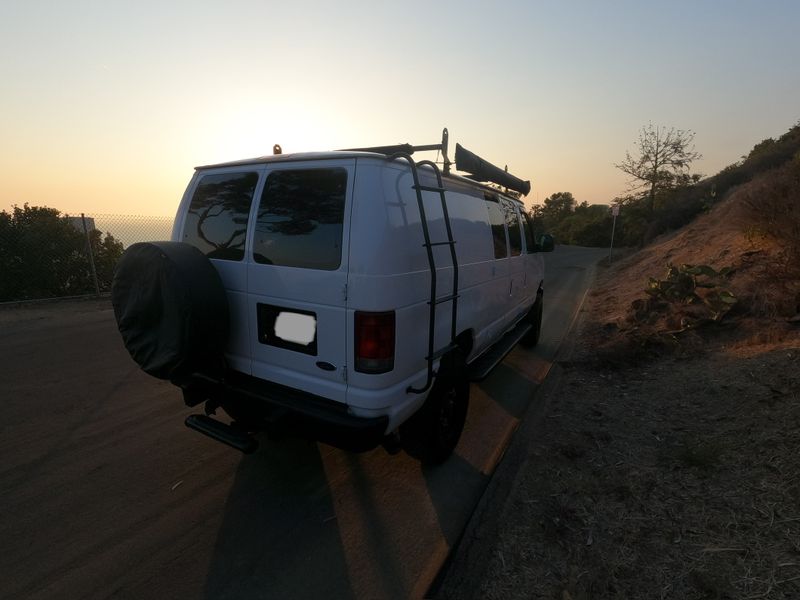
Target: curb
462,573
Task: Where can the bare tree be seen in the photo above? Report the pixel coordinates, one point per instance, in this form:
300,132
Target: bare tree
662,159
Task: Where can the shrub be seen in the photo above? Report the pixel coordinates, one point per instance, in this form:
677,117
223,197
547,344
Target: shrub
772,204
42,255
697,285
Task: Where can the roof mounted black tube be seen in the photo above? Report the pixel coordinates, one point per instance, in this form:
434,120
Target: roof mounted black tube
482,170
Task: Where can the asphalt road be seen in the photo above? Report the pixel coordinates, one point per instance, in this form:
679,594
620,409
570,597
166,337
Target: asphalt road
104,492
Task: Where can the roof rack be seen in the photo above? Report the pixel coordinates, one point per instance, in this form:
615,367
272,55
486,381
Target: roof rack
477,168
410,149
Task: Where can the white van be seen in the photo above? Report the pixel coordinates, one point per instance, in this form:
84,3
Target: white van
349,295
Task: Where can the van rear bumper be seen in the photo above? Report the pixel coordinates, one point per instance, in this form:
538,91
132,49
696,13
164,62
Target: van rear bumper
266,406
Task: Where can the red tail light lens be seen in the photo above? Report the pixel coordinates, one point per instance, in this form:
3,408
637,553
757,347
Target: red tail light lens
374,342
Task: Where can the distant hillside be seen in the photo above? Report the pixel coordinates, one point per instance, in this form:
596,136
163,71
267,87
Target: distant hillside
590,225
745,250
686,203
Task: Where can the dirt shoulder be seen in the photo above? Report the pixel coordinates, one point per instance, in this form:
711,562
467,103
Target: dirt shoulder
673,477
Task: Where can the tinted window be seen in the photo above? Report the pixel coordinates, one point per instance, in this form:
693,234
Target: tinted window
529,243
300,219
497,219
217,218
514,231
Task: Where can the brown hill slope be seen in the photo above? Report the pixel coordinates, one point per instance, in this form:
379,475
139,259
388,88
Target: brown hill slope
740,237
663,463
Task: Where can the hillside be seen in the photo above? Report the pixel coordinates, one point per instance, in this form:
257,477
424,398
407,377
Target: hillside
678,203
735,236
663,460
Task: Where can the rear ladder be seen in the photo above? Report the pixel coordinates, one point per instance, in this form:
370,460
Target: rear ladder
435,300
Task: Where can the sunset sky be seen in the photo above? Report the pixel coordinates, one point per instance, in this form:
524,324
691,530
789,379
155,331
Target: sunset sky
106,106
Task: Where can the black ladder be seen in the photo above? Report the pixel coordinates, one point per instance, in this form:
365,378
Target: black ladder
435,300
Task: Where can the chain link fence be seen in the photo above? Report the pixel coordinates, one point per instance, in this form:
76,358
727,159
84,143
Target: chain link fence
46,254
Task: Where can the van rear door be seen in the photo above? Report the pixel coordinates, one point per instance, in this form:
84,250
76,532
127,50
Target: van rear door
297,276
214,218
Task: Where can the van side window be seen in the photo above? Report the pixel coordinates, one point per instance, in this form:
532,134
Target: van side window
514,231
216,222
300,219
530,244
497,219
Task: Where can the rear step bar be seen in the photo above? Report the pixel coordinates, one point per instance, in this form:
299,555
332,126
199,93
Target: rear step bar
221,432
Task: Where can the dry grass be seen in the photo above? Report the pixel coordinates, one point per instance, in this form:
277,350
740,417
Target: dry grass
678,480
771,203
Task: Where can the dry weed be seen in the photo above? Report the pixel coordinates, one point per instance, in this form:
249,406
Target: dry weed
676,480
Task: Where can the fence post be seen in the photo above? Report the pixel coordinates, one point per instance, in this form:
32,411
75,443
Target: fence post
91,256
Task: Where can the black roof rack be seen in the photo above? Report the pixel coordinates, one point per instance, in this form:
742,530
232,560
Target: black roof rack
394,149
410,149
479,169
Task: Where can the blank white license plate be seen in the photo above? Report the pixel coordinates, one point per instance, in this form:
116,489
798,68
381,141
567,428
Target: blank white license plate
295,328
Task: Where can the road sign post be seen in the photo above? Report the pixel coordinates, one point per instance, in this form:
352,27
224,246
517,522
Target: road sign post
615,214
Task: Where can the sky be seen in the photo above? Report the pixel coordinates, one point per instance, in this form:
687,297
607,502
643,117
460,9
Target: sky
107,106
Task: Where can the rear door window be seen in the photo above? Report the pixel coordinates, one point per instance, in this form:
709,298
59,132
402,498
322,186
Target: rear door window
530,244
216,222
514,231
497,219
300,219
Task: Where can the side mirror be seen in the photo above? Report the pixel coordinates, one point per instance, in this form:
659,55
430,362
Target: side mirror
546,243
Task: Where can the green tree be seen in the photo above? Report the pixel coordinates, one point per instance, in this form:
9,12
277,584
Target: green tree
587,225
662,160
43,255
555,209
106,250
581,224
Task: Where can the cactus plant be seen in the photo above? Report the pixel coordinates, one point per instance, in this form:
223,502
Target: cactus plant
694,285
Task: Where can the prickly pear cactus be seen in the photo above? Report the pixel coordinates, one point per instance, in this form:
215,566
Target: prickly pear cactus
699,286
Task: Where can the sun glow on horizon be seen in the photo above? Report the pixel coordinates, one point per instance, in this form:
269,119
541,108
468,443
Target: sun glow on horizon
109,108
249,129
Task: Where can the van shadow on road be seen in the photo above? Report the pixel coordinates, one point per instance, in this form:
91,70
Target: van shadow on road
307,521
278,537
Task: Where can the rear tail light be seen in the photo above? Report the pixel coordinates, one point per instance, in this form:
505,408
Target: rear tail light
374,342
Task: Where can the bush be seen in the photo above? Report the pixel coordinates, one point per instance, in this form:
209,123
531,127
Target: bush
588,225
772,203
42,255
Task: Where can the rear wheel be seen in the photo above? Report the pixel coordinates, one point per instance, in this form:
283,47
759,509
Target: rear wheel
432,433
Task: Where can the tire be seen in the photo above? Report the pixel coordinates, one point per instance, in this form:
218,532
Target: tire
171,309
534,317
432,433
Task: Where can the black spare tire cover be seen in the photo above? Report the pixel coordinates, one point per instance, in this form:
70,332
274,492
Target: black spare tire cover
171,308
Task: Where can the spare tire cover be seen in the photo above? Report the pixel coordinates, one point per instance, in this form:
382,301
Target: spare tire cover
171,308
